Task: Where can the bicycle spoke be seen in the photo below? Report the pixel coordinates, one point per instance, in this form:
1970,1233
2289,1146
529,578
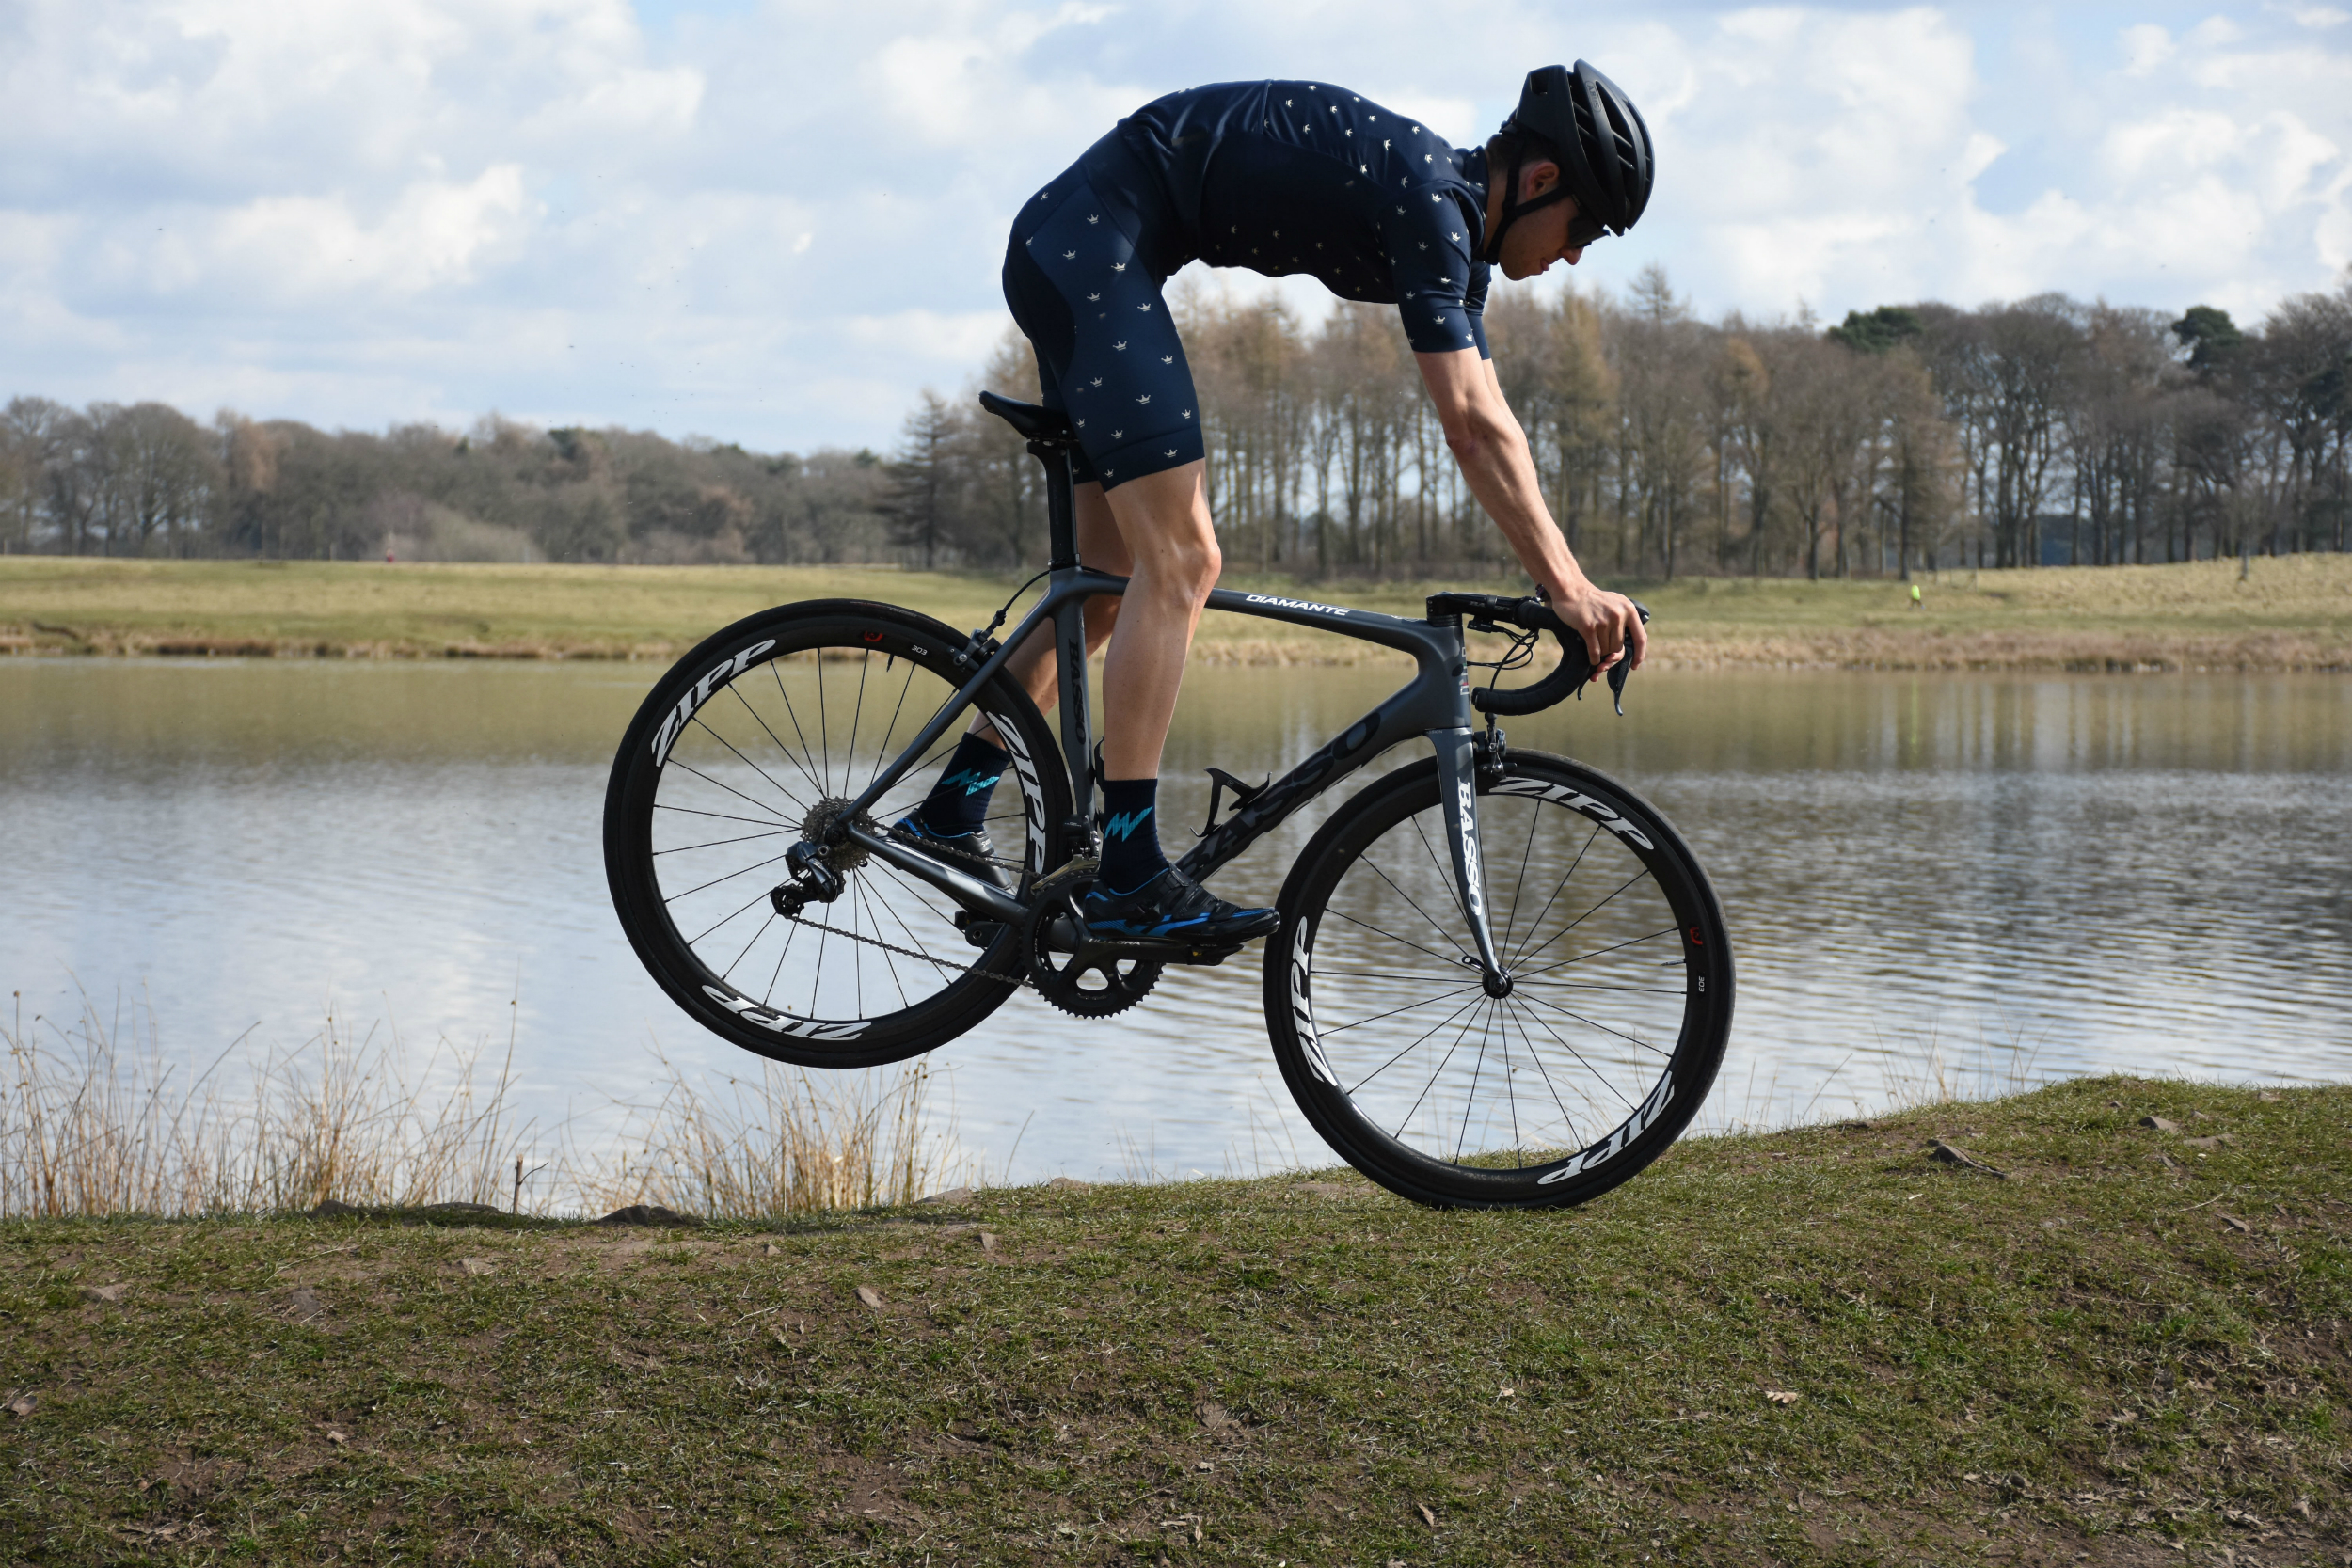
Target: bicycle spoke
729,971
1380,872
1588,1067
1575,1139
824,745
715,816
1583,918
755,900
767,997
1536,925
1471,1099
1511,920
1443,1063
1401,941
728,878
1445,872
722,843
1595,984
1603,952
780,749
857,712
1321,1029
776,668
747,762
760,805
1593,1024
1358,1086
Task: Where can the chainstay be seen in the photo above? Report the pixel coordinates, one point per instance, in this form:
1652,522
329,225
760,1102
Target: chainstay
1075,870
908,951
1124,949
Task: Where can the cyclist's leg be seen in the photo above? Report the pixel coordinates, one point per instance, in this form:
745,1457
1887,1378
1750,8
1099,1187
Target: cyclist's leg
1164,521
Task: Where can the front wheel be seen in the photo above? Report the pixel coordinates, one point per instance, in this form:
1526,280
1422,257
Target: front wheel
1606,1042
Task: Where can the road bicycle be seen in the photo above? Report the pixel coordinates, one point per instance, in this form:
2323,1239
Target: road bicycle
1501,978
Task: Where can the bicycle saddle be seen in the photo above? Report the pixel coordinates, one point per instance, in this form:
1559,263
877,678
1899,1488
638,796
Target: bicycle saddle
1036,422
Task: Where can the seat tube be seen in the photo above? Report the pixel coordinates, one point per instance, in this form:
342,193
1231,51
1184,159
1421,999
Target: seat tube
1457,792
1069,636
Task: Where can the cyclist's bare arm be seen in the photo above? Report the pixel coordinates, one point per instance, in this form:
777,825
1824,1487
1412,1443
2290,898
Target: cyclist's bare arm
1486,441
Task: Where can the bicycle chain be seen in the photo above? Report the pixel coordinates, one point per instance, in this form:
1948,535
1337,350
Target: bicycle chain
908,951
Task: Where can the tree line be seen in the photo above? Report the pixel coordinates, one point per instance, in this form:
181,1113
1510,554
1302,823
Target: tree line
2045,430
2040,430
146,479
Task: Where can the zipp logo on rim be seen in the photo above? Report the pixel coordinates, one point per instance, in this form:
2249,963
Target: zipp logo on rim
717,676
1302,1007
1032,796
1606,816
1617,1142
768,1018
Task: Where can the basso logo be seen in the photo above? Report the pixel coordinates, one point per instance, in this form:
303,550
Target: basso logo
768,1018
1617,1142
1280,602
1473,873
1607,817
713,679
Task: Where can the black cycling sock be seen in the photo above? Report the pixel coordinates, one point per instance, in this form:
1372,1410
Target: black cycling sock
1131,835
958,803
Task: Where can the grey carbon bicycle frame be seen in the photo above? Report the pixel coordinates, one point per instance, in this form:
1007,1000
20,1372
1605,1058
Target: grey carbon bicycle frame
1435,704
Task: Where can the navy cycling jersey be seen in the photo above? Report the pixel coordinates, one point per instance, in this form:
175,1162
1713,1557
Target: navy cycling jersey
1277,177
1305,177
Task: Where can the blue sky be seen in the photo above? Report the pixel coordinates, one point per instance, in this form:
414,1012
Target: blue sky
775,222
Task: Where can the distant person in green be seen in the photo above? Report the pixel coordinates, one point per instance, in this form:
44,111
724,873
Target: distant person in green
1915,596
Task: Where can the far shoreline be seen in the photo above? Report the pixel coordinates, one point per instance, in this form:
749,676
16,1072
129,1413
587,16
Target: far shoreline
2286,614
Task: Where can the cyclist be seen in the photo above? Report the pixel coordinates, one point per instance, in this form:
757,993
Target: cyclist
1280,178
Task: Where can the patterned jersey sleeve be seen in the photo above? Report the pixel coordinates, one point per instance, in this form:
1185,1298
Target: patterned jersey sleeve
1440,285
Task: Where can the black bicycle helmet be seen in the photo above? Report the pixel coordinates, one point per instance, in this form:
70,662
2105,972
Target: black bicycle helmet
1596,136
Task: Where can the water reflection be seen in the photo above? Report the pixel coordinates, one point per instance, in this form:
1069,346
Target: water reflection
2019,876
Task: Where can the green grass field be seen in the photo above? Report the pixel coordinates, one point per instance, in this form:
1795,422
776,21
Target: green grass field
2293,613
1819,1346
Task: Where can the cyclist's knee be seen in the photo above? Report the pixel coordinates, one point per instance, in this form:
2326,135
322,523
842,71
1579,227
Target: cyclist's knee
1189,563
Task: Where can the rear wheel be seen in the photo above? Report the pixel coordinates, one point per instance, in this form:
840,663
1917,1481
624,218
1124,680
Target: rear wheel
1596,1060
757,740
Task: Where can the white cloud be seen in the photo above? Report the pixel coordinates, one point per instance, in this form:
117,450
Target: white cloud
775,225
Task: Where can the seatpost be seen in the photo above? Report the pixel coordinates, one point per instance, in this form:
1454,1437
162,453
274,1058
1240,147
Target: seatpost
1061,522
1070,642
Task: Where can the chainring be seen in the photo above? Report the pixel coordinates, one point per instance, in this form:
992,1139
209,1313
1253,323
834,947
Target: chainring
1088,978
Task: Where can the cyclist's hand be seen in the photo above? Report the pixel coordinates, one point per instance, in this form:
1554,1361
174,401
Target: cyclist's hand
1611,627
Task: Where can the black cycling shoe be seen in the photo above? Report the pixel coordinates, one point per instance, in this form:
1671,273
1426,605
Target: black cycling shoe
1172,908
970,851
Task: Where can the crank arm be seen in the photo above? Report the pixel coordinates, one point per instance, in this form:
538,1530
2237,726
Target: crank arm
1457,791
968,891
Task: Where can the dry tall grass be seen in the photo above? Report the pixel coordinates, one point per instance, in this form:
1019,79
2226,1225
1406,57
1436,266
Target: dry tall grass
773,1143
96,1119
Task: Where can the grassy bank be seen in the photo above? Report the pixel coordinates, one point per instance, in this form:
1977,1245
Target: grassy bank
1813,1346
2289,613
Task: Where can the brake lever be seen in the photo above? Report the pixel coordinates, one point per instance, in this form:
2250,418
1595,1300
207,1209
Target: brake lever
1624,668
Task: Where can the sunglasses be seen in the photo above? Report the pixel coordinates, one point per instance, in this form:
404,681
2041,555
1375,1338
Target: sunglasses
1583,230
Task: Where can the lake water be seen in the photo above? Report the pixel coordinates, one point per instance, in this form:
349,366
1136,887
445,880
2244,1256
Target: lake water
1984,881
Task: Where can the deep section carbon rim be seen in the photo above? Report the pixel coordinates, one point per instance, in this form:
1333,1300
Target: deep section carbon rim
1610,1033
759,740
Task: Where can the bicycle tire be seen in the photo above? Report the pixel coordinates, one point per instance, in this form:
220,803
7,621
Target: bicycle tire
721,747
1374,946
